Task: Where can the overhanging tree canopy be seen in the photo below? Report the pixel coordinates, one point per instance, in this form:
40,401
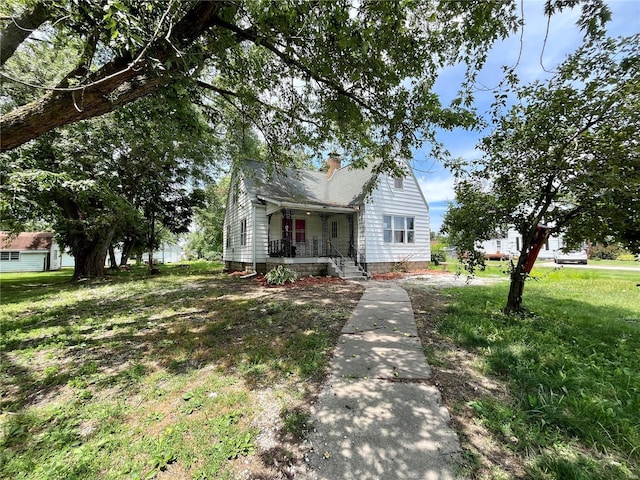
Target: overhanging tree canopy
358,74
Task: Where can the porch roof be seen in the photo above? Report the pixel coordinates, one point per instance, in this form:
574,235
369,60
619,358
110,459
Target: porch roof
307,206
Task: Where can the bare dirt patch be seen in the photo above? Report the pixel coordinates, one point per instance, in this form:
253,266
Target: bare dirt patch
301,282
280,449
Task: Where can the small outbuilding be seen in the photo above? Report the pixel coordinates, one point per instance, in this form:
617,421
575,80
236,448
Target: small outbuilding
29,252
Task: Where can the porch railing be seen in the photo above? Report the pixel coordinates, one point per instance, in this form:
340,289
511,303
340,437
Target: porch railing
291,248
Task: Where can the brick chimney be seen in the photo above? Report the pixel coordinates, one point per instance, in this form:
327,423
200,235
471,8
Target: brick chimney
334,163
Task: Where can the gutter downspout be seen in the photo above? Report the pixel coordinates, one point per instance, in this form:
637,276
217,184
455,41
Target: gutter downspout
253,213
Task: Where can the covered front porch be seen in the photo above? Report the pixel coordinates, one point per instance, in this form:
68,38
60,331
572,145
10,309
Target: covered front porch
310,238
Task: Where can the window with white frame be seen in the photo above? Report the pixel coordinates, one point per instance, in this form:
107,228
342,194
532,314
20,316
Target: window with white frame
243,232
398,182
10,256
228,236
334,229
397,229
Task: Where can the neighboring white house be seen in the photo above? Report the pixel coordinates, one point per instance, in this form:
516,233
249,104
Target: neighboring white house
29,252
325,223
167,253
512,243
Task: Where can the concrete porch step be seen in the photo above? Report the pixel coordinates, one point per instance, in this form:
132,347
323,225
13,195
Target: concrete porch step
348,270
353,269
357,278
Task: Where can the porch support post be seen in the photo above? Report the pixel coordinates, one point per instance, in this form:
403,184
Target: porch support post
287,216
254,240
351,252
324,218
269,249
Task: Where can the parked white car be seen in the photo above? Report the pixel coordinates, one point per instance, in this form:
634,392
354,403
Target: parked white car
570,256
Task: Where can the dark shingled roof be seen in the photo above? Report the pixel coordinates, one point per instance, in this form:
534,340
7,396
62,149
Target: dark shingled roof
26,241
346,188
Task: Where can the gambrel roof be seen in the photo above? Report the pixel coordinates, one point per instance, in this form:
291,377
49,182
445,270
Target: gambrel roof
346,188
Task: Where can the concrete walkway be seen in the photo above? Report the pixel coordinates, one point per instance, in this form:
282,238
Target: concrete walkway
376,418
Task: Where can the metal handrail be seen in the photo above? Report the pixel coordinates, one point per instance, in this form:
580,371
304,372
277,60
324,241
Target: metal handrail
359,258
337,255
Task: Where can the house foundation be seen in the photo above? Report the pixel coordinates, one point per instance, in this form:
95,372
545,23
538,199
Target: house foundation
318,267
304,267
386,267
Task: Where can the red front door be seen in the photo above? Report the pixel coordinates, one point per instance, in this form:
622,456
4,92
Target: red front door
300,231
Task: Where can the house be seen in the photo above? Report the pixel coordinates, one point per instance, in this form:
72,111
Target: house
345,222
505,247
168,252
29,252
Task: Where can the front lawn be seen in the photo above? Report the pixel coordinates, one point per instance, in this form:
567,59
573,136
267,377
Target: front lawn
552,394
187,374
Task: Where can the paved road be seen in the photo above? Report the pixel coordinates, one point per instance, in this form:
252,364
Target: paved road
589,266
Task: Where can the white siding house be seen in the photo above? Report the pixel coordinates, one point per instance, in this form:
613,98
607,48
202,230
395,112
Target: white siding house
396,223
325,223
168,252
512,243
29,252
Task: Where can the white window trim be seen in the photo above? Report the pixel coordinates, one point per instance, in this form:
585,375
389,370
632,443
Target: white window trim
243,232
11,256
406,231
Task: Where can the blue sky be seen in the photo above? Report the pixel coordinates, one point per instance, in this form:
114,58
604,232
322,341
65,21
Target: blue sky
564,37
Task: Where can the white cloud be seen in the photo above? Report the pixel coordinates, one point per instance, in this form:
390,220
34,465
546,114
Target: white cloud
437,189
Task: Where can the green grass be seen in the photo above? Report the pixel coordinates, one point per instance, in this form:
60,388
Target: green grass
572,367
138,376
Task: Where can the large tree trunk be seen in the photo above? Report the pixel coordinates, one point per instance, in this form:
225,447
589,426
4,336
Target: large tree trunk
516,288
116,83
532,240
151,238
89,255
113,264
127,248
89,250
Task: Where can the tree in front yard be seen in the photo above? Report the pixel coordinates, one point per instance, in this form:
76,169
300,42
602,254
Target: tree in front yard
116,178
565,155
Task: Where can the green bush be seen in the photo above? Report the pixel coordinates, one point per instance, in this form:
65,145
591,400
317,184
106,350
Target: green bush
438,257
280,275
608,252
